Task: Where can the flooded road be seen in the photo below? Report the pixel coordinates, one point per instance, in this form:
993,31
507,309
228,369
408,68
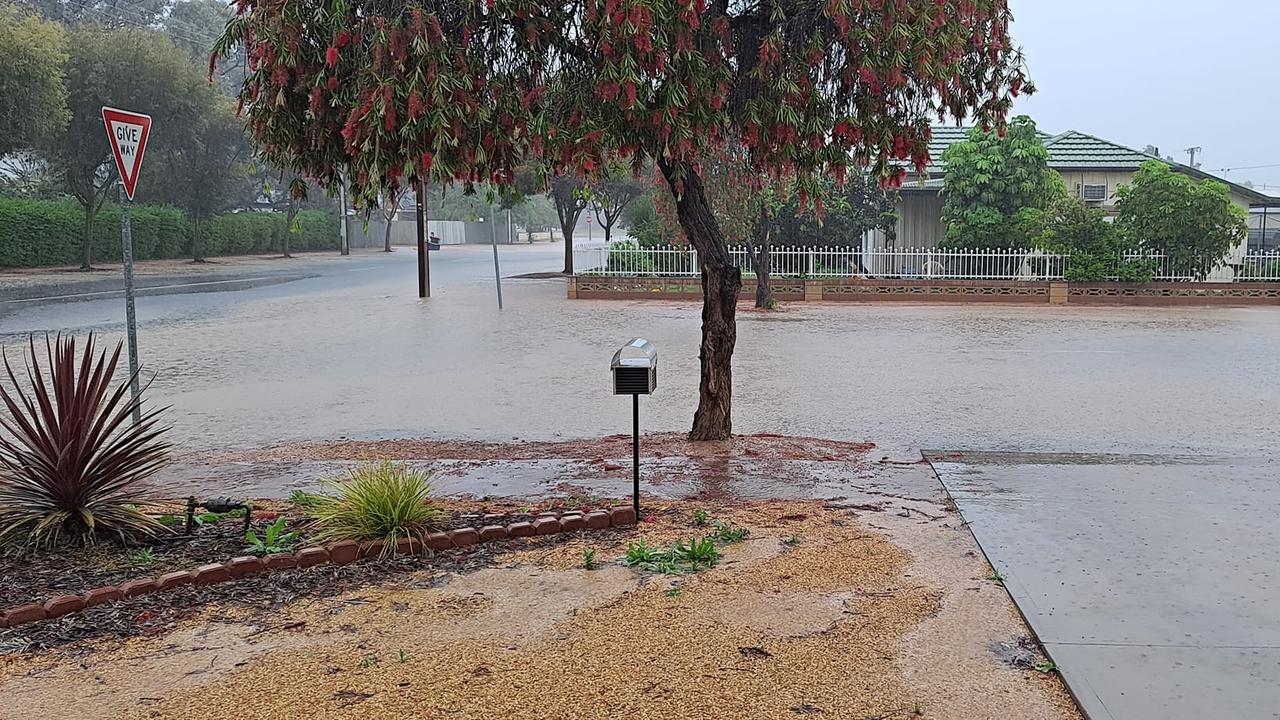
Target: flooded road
347,350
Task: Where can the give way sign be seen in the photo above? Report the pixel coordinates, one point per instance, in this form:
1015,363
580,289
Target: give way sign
128,134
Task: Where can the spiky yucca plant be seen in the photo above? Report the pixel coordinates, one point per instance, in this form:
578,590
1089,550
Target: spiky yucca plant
71,464
377,501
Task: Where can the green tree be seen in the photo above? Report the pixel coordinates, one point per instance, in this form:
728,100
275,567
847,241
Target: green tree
641,221
611,195
1097,248
132,69
1193,223
466,92
195,26
569,197
33,94
991,177
205,172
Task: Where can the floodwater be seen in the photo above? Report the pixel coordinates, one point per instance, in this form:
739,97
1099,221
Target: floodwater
351,352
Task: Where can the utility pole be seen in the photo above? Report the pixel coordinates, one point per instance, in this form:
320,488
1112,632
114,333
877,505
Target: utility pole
343,242
424,255
1192,151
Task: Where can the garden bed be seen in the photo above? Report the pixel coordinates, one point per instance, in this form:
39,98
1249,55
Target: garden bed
37,576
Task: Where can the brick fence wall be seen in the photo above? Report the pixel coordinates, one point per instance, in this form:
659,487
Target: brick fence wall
589,287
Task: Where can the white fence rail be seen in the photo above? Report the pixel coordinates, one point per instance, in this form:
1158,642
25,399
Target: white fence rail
624,259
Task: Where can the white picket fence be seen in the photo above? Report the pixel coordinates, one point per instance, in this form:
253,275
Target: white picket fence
626,260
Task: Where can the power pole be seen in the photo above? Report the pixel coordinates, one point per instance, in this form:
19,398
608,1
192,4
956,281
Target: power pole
1192,151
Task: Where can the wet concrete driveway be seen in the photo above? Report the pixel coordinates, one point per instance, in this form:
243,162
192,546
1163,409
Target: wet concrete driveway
1154,583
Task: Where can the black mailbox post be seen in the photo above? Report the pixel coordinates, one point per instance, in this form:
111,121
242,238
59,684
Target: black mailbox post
635,373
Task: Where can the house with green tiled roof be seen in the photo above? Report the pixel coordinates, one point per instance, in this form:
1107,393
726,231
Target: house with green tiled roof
1092,168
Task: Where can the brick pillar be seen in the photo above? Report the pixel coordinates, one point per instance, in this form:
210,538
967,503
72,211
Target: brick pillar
572,284
1058,293
812,290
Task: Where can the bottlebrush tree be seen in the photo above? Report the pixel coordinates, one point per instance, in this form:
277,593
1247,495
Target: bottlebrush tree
463,90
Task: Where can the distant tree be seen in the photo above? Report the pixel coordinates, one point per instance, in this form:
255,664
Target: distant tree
642,222
110,14
205,172
1194,223
569,196
389,209
991,177
611,195
133,69
195,26
33,93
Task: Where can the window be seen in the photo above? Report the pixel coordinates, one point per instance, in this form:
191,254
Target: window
1093,193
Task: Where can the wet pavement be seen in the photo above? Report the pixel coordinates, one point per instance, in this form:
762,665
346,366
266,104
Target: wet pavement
1125,484
1154,587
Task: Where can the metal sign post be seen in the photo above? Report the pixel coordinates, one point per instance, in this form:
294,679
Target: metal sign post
128,132
126,247
497,274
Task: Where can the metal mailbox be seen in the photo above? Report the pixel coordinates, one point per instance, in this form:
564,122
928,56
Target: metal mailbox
635,368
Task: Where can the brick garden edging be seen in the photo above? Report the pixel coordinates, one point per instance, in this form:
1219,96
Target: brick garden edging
338,553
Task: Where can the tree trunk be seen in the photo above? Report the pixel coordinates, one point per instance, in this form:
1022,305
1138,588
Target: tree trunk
608,234
721,284
289,217
761,262
86,242
197,242
567,226
386,237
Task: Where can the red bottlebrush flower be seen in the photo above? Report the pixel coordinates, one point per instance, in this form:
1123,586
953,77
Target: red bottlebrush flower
650,519
331,56
315,99
426,161
332,83
280,76
343,38
629,88
415,105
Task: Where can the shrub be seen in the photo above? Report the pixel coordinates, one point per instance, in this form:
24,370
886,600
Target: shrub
36,233
71,463
626,256
384,501
1097,248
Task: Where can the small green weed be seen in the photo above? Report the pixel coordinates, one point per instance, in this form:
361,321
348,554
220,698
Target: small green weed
305,499
996,577
1045,667
674,592
640,554
697,553
792,541
274,541
402,656
918,711
589,558
369,661
701,518
729,534
169,520
144,557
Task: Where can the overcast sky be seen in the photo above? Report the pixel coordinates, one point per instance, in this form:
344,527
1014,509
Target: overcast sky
1169,73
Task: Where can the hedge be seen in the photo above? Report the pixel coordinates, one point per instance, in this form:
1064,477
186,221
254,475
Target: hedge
47,232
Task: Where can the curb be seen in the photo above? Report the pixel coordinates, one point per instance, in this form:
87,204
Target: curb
338,553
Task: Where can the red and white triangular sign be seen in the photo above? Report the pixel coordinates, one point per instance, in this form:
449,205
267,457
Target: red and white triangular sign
128,133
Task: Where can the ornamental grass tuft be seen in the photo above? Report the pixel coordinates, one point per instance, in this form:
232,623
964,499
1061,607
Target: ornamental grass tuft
383,501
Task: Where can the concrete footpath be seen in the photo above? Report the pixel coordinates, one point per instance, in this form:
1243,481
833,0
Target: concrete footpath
1153,582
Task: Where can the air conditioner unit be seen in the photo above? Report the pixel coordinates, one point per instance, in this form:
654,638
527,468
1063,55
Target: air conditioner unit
1093,193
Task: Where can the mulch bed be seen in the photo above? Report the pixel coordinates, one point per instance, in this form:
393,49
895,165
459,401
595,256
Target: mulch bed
36,576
